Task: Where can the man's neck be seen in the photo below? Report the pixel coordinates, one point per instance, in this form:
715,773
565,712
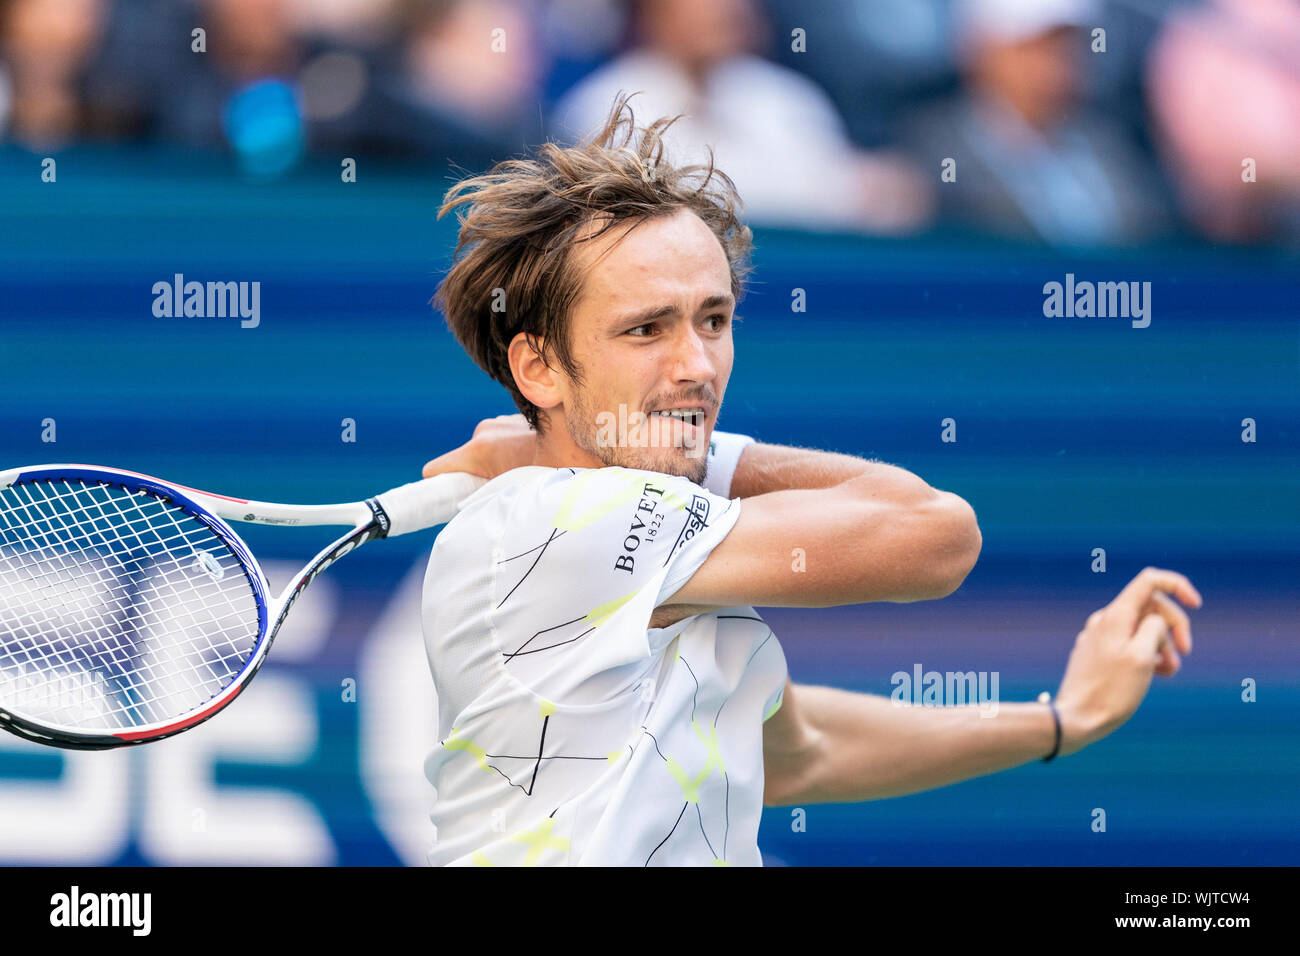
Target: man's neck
558,451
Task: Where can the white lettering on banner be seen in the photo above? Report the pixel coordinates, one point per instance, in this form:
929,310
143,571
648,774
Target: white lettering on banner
84,814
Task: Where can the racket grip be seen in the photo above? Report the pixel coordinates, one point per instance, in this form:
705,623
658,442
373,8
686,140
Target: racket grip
428,502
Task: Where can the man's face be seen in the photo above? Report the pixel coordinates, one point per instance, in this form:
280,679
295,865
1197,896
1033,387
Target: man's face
1039,76
651,331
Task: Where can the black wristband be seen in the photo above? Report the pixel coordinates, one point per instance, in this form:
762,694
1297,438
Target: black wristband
1056,718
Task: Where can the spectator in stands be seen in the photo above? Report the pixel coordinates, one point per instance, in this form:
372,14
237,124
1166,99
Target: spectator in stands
248,42
774,131
1031,159
1225,89
479,64
45,46
271,81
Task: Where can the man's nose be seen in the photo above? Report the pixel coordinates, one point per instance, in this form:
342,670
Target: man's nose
692,360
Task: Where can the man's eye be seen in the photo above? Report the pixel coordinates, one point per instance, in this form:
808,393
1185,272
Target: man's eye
719,322
648,325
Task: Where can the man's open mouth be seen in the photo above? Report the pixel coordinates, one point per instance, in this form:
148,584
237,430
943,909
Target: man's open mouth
691,416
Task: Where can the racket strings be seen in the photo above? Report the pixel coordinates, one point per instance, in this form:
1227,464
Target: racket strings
121,568
118,609
115,655
107,583
101,580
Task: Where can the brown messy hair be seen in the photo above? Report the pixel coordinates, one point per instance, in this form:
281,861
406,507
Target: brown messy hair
525,215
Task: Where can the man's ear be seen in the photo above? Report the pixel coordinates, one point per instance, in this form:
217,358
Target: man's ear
537,381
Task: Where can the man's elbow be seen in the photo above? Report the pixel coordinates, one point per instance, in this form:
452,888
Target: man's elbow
920,552
959,544
944,545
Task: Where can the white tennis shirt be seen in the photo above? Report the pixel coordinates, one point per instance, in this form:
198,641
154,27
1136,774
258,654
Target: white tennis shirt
570,732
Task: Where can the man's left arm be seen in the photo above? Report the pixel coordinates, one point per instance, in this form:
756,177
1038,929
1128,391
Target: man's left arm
826,745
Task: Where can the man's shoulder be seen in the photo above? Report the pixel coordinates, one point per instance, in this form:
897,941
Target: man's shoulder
538,480
586,502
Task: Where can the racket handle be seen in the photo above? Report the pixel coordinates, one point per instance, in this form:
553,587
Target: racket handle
428,502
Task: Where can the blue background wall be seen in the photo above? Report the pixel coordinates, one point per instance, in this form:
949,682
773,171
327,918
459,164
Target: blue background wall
1072,434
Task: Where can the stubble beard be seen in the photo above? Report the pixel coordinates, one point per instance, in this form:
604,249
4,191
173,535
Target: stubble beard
582,427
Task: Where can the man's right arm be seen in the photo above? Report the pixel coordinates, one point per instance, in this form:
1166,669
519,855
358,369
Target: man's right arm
819,529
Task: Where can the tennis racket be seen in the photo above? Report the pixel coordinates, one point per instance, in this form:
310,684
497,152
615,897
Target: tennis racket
130,610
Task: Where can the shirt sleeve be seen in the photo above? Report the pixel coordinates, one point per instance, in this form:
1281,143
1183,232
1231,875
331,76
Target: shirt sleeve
586,557
636,529
703,520
725,449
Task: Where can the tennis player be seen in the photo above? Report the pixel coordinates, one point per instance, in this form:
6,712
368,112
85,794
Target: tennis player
607,694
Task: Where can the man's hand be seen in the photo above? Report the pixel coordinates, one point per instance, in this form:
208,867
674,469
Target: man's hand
499,445
827,745
1115,655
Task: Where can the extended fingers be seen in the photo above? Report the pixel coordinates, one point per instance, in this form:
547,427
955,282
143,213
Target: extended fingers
1138,592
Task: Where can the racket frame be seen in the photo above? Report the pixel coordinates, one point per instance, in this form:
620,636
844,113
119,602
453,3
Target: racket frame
369,521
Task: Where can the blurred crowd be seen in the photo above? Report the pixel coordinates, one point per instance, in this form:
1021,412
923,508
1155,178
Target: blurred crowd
1065,122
